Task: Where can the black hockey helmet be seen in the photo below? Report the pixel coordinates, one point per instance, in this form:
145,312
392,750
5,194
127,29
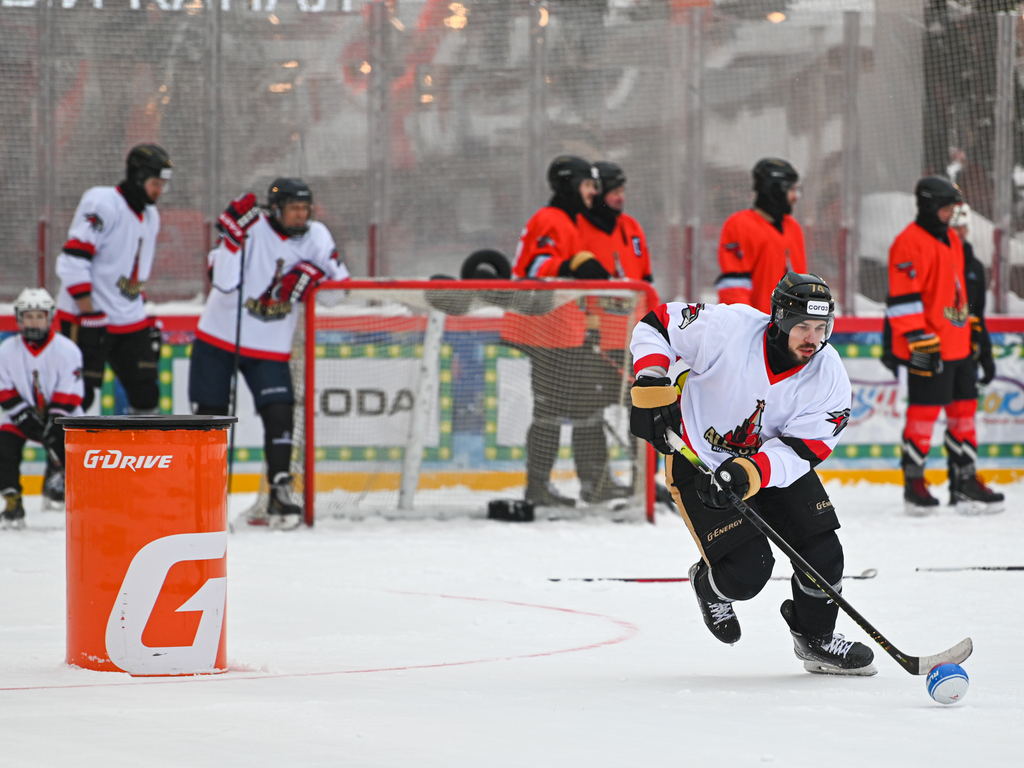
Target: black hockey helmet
146,161
283,191
935,192
567,172
611,175
487,264
802,297
774,176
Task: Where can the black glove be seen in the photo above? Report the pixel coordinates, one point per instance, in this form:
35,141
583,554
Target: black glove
296,285
30,423
655,411
583,266
238,217
92,334
53,437
925,357
731,476
988,369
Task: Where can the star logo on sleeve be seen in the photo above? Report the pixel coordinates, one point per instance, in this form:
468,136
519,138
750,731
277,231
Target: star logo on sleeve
840,419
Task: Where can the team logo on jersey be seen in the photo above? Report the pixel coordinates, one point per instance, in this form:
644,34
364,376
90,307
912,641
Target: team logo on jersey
77,374
545,242
131,287
334,256
94,221
734,249
840,419
743,440
957,315
689,314
907,268
37,393
267,307
636,247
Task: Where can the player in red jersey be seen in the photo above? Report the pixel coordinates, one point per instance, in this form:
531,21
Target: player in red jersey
759,245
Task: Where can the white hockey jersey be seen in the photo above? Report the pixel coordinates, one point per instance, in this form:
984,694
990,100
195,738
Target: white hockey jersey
47,377
268,323
108,255
732,403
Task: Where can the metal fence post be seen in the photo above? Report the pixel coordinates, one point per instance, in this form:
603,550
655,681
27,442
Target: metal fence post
850,189
214,74
694,156
46,147
1002,198
378,135
536,108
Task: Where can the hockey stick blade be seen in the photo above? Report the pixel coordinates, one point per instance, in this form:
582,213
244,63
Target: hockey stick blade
915,665
949,569
870,573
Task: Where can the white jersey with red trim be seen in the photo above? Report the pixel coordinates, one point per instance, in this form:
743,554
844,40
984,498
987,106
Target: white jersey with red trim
49,376
268,322
732,403
108,256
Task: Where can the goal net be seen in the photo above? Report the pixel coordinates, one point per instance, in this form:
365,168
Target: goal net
432,398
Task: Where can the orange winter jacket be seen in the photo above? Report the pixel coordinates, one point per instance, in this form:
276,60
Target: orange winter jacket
753,256
623,252
549,238
927,292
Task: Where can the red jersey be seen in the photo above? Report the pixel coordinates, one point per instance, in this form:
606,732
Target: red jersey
623,252
753,256
927,292
549,238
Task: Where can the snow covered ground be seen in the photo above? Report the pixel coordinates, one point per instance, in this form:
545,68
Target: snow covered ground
445,644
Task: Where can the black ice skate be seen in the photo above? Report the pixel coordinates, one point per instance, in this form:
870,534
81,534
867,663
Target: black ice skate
543,495
12,513
53,489
720,618
829,655
284,511
969,494
918,502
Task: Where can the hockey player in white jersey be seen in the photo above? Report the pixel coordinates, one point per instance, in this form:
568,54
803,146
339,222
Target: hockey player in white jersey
40,379
285,254
763,403
103,268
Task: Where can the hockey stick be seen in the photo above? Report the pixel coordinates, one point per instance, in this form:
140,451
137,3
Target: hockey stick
235,363
870,573
975,568
915,665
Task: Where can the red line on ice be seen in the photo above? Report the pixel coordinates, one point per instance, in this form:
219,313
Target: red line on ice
629,631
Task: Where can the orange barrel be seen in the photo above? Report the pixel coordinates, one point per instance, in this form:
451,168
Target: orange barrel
147,539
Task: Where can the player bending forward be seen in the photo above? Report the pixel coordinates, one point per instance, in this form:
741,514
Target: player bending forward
285,255
764,402
40,379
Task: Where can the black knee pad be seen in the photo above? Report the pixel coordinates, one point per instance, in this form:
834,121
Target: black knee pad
744,571
142,395
824,553
209,410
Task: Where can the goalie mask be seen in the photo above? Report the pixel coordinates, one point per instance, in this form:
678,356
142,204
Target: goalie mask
34,299
284,191
798,298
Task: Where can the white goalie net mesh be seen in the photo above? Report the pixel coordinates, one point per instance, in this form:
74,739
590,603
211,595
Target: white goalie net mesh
433,398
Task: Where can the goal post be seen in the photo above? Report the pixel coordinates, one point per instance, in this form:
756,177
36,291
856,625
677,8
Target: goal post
425,398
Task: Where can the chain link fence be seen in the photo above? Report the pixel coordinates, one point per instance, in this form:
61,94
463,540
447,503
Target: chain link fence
425,127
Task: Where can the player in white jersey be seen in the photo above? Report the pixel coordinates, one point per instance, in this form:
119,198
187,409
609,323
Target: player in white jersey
285,254
40,379
103,268
763,403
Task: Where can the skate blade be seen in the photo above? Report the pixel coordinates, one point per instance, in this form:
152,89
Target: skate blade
52,505
973,508
258,521
12,525
916,510
820,668
284,522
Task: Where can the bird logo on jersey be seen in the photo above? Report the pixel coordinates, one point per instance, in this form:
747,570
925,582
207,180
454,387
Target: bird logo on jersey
689,314
957,315
94,221
840,419
37,393
266,307
743,440
131,287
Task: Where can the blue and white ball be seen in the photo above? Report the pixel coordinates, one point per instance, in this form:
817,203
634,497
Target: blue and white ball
948,683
